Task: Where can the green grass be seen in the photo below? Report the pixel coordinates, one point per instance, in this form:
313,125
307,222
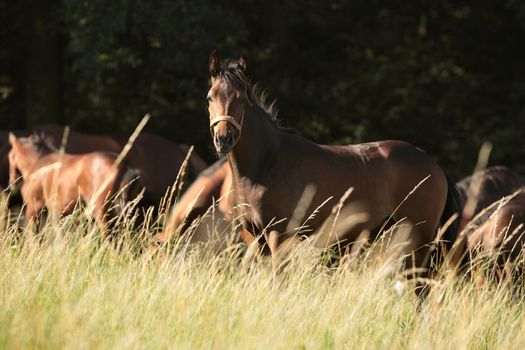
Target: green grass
69,289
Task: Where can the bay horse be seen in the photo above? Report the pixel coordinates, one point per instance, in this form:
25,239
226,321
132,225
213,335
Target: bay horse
490,185
213,186
271,169
501,236
77,143
158,159
207,189
494,228
60,181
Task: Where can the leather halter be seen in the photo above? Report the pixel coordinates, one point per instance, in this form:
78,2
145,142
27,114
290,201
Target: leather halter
225,118
231,121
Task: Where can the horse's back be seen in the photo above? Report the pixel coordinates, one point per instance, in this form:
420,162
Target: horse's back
94,171
400,163
495,182
410,166
418,187
160,161
78,142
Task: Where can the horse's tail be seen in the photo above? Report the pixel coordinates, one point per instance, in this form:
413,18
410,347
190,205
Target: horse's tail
453,206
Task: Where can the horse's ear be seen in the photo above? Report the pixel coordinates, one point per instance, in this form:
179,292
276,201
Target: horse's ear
12,138
242,62
214,64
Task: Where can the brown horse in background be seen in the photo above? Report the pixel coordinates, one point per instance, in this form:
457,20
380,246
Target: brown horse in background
495,228
491,185
213,186
271,169
153,153
77,143
158,160
501,236
59,182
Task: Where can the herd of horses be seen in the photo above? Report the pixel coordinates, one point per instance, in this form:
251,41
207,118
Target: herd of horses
280,186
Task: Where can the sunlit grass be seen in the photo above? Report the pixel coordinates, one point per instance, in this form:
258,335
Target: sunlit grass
67,288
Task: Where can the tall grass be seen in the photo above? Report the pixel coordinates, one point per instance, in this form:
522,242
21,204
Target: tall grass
68,288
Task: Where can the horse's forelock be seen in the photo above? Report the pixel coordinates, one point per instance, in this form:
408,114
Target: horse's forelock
231,74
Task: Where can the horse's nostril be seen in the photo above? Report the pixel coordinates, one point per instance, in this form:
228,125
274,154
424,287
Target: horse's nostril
225,140
230,136
222,140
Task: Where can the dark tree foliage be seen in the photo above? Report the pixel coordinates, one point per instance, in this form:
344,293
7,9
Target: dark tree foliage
443,75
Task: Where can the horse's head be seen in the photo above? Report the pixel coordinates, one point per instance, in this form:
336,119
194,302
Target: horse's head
24,152
227,98
16,158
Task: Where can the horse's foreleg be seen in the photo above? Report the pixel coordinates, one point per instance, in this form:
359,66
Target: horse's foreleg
31,213
417,262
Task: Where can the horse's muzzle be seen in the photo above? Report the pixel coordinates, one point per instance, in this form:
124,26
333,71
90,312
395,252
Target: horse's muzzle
224,142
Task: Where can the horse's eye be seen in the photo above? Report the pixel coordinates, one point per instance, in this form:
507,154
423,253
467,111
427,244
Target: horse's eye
209,99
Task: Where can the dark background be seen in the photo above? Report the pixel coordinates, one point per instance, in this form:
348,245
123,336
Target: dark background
443,75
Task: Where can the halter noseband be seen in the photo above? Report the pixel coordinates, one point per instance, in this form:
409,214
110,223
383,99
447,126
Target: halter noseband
225,118
231,121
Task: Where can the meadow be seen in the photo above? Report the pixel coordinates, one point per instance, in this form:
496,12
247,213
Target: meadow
65,287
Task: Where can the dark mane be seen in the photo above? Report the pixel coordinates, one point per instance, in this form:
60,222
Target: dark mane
43,144
231,74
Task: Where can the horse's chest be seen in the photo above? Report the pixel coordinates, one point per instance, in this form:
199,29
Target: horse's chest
262,208
259,207
248,197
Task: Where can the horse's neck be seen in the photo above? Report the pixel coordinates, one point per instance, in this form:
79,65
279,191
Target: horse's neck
257,144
